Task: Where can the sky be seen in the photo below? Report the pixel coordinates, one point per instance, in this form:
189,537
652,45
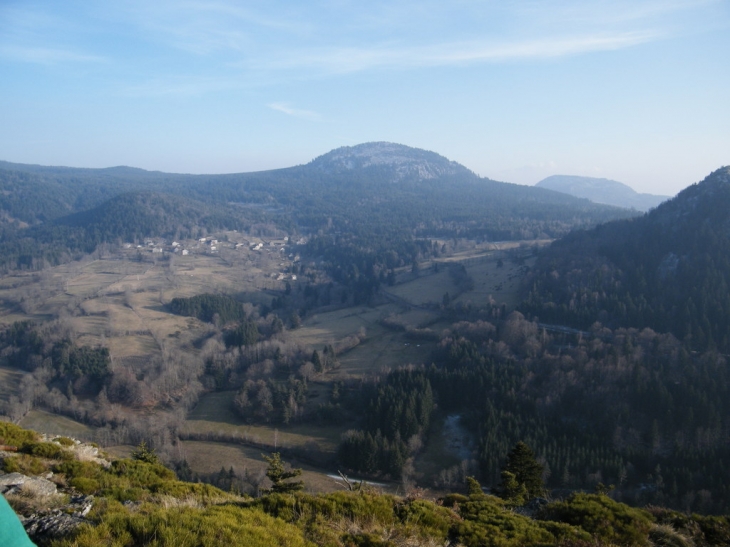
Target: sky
632,90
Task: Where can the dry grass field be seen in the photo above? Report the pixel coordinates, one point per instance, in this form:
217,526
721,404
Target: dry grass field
205,457
214,415
501,283
53,424
328,327
119,302
428,288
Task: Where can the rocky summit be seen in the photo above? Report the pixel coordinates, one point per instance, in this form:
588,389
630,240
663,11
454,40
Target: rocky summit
404,161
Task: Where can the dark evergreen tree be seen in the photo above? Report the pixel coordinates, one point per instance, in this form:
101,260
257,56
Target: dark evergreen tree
522,469
278,475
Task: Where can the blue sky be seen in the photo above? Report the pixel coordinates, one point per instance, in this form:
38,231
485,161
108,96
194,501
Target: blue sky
637,91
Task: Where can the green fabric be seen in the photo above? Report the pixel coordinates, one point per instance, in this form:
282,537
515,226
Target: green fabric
12,533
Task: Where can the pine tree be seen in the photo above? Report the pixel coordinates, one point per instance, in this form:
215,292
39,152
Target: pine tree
523,467
144,454
318,366
278,474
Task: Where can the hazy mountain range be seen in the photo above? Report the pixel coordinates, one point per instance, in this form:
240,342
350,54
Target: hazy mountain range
606,191
374,198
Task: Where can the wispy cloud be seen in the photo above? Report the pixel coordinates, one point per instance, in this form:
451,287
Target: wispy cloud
296,112
180,86
47,55
206,28
353,59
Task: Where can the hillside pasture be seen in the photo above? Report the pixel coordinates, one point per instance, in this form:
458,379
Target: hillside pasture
428,288
209,457
328,327
502,283
53,424
382,350
214,415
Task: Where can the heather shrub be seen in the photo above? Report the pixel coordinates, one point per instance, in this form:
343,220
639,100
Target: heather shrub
13,435
602,517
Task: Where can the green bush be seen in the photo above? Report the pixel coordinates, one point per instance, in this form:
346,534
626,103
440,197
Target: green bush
348,505
487,522
452,500
13,435
24,463
122,494
85,485
181,489
140,473
603,518
715,529
45,450
76,468
227,525
426,518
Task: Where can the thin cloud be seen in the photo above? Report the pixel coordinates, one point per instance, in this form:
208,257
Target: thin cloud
296,112
392,57
205,28
46,55
180,86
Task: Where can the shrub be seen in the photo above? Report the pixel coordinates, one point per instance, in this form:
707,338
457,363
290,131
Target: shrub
426,518
76,468
354,506
715,529
602,517
24,463
85,485
452,500
14,435
487,522
45,450
185,527
140,473
180,489
122,494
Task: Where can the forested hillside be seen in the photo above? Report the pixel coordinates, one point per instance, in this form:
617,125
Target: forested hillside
629,408
368,209
129,217
668,270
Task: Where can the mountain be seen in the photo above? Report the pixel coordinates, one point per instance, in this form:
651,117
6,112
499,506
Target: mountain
368,208
402,161
668,270
606,191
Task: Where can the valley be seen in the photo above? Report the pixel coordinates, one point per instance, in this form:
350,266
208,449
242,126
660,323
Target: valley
118,300
392,274
392,316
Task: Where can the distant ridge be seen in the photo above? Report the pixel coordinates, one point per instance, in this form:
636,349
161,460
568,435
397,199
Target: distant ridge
605,191
375,205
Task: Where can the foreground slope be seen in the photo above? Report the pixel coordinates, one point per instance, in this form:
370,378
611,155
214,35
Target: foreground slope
668,270
94,501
